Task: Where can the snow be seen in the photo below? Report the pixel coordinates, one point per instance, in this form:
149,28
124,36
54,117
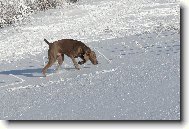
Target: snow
138,76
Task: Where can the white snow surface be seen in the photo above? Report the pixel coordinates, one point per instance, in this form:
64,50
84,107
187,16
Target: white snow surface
138,76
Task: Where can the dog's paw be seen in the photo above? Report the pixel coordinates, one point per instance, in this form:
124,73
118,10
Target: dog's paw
80,62
43,74
77,68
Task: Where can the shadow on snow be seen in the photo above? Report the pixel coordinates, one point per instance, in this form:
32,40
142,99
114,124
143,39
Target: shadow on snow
25,72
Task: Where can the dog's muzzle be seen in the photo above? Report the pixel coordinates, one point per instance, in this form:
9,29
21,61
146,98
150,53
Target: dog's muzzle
96,63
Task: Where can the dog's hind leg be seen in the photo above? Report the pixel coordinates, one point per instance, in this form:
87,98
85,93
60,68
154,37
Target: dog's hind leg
49,64
60,59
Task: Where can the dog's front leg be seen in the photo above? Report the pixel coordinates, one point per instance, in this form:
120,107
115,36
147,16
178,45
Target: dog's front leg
85,58
75,63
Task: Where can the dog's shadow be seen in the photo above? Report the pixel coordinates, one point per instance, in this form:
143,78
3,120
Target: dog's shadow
36,72
26,72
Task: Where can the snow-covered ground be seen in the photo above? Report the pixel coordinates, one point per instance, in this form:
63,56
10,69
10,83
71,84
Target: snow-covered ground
138,76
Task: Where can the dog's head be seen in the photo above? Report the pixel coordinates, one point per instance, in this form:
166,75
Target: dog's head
92,57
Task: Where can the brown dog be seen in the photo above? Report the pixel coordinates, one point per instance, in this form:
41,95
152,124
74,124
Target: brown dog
71,48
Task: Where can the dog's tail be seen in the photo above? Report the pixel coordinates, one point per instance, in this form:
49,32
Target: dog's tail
47,42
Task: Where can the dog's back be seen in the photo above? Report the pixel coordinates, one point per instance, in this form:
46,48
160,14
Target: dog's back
67,45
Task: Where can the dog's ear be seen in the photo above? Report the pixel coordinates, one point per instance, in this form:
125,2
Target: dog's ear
88,52
86,57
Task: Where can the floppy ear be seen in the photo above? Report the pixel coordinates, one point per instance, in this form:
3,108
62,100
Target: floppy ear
88,52
86,57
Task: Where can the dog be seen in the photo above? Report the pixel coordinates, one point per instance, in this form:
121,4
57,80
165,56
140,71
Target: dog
71,48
